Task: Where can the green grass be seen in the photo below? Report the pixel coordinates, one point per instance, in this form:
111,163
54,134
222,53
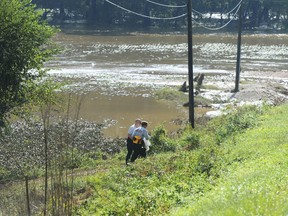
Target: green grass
171,94
255,180
244,174
235,165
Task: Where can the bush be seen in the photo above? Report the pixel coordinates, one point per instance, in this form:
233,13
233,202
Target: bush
235,121
190,140
160,141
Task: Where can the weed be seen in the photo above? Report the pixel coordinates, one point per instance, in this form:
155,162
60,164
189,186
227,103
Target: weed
160,141
235,121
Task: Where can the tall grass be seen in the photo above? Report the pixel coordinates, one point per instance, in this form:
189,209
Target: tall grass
235,165
254,179
181,171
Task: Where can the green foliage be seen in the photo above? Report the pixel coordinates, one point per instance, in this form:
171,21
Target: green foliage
150,187
254,179
24,46
170,94
190,139
160,141
235,121
201,172
245,175
102,13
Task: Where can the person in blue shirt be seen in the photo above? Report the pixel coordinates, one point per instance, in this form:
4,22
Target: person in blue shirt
130,139
138,144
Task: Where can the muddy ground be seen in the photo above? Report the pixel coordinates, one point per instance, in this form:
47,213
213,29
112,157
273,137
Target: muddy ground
254,88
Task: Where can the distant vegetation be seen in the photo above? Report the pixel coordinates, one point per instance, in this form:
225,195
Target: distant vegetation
257,13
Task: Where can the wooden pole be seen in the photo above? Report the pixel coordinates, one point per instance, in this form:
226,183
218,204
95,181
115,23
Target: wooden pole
190,64
238,67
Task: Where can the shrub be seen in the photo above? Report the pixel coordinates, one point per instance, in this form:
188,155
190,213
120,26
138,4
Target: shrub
235,121
160,141
190,140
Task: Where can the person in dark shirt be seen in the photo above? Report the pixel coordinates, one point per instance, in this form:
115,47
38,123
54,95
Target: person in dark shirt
130,139
138,143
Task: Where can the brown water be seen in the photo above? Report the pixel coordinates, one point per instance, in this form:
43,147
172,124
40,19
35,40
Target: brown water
124,109
119,74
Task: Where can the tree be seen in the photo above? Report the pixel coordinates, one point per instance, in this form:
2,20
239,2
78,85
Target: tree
24,46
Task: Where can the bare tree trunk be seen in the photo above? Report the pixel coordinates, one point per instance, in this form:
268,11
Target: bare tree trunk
73,146
46,171
27,195
45,118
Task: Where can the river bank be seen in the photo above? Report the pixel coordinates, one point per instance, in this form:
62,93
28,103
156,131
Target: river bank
118,75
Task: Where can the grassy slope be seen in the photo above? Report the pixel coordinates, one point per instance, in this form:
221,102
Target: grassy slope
245,175
257,182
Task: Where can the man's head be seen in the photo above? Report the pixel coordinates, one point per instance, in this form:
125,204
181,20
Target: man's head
138,122
144,124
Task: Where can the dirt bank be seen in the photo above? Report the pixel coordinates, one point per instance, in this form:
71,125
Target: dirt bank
254,88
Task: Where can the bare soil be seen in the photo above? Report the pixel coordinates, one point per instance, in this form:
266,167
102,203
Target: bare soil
254,88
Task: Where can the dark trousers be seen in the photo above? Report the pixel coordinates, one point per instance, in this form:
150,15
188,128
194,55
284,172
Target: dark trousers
129,149
138,151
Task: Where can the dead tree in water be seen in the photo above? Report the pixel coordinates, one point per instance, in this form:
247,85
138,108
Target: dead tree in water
183,87
199,79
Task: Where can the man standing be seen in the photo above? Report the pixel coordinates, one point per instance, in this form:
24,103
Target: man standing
130,139
138,135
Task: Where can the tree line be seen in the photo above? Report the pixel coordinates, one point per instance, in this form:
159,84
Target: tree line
256,13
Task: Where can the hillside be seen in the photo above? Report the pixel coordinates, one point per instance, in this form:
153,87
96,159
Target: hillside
236,165
254,180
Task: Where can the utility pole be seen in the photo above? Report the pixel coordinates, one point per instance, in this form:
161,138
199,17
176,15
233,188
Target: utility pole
190,63
238,67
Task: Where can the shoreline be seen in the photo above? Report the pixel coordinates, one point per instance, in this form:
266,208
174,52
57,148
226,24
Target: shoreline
255,88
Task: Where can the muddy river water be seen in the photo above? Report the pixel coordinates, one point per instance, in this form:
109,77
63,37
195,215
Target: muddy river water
118,74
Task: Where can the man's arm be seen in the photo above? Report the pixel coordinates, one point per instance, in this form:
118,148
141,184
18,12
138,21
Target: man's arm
145,134
130,132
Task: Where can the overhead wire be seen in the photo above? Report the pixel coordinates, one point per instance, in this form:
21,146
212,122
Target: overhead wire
239,3
145,16
221,27
182,15
163,5
195,11
229,12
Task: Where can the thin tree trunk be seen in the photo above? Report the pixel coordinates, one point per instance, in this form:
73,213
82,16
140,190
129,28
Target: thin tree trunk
27,195
45,117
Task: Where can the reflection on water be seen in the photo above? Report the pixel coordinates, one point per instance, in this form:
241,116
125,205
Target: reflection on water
168,53
161,60
118,74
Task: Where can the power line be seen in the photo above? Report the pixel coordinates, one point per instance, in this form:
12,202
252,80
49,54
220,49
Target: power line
240,2
145,16
163,5
182,15
202,14
221,27
195,11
